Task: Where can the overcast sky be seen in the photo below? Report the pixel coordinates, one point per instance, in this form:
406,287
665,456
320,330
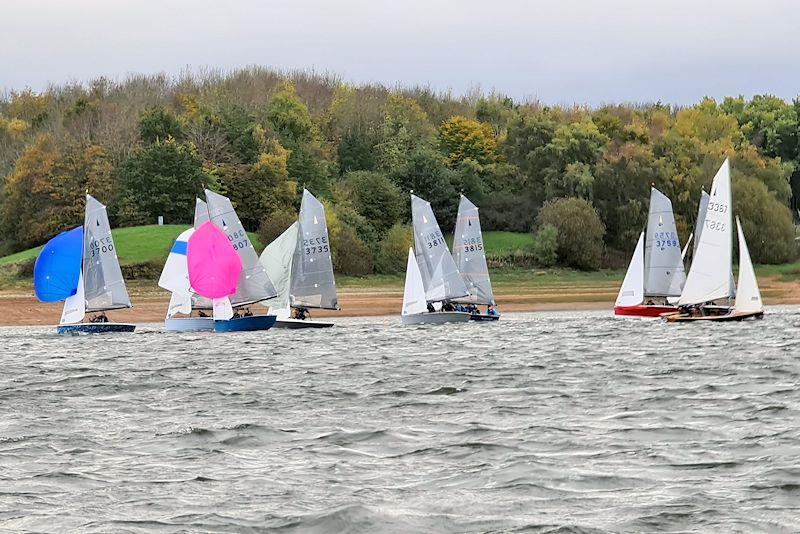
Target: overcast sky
559,51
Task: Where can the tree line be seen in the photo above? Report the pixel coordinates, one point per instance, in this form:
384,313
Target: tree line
578,177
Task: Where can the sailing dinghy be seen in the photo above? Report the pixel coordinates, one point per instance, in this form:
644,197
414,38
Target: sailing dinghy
709,280
175,279
470,258
253,285
655,274
434,267
299,264
81,268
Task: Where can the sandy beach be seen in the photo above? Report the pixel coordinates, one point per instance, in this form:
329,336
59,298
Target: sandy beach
19,307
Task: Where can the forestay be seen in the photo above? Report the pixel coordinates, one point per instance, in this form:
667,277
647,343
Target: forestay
709,276
748,297
254,285
277,261
440,277
312,283
632,291
469,254
663,266
104,288
414,292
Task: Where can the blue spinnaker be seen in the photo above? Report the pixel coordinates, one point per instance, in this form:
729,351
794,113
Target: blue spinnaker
58,266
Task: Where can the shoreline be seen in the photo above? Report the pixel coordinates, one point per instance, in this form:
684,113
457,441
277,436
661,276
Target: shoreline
19,307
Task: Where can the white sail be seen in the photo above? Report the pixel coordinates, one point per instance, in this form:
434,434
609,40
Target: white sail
200,213
104,286
175,275
748,297
663,265
222,309
414,300
254,285
632,291
440,277
469,254
312,283
179,303
709,276
277,261
75,306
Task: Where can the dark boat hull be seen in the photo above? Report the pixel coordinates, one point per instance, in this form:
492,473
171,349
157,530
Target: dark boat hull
295,324
95,328
482,317
246,324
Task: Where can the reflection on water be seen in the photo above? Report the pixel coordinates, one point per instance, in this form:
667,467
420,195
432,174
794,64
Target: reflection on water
541,422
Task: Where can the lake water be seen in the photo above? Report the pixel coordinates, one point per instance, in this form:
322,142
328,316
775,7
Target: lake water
559,422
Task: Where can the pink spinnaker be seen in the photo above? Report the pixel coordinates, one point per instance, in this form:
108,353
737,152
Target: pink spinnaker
214,265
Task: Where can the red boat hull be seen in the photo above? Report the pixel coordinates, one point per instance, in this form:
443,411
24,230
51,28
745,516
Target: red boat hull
643,310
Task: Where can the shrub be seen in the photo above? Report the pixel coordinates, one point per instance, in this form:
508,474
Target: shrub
377,198
275,224
580,231
545,245
351,256
766,222
393,250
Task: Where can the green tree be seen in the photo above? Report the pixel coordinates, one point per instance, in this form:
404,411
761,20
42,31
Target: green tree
161,179
580,231
157,123
766,222
545,245
376,198
393,251
405,130
427,175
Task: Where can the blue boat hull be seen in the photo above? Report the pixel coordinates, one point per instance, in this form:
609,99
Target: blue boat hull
484,317
95,328
246,324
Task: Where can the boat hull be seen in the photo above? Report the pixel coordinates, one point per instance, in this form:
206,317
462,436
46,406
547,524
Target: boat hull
246,324
301,323
436,318
189,324
643,310
95,328
482,317
733,316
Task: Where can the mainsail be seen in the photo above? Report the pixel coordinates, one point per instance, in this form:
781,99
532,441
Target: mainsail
469,254
632,291
414,292
440,277
104,288
254,284
709,275
748,297
663,266
277,261
312,283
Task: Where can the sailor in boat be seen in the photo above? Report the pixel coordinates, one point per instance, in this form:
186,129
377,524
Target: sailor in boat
490,310
448,307
201,313
431,309
99,318
247,312
301,314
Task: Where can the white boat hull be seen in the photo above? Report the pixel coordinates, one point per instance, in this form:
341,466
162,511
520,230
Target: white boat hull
189,324
301,323
436,318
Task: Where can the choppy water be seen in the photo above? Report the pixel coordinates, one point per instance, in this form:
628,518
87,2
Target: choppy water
540,423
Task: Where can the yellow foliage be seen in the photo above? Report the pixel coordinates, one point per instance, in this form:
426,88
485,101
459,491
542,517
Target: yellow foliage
17,128
28,105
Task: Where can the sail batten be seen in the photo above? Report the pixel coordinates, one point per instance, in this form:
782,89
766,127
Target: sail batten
312,281
254,285
710,274
664,275
470,256
440,276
